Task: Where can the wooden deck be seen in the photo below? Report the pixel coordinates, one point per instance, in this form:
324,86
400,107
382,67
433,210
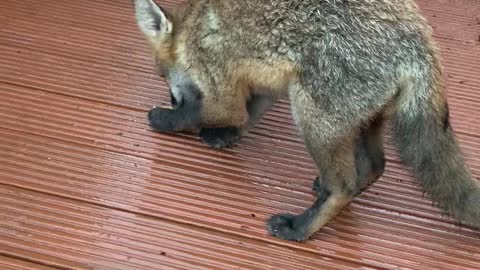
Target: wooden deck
85,184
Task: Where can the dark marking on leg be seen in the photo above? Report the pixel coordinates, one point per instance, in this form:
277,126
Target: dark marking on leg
220,137
446,118
173,100
293,227
319,188
227,136
257,106
317,185
184,116
163,120
369,154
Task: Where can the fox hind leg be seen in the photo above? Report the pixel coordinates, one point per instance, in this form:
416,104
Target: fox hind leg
349,155
332,144
369,156
335,191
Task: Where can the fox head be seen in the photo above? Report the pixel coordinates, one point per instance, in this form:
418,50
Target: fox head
161,29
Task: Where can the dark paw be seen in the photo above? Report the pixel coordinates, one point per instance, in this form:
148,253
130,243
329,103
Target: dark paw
286,227
161,119
317,186
321,191
220,137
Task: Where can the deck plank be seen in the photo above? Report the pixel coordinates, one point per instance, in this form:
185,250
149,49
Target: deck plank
52,229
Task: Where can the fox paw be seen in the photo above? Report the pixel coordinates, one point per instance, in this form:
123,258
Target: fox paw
287,227
161,119
220,137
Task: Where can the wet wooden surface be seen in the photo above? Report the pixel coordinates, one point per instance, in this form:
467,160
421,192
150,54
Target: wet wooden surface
85,184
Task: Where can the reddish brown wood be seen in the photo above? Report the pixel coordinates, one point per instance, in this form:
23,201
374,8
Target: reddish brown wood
84,183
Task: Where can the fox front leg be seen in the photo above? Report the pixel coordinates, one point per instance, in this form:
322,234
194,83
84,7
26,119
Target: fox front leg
225,137
184,114
172,120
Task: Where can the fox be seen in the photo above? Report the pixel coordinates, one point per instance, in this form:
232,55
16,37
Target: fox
349,69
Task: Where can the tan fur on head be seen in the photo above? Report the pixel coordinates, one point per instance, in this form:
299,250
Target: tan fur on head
164,52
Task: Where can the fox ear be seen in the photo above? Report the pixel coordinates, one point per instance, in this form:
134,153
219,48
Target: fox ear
151,19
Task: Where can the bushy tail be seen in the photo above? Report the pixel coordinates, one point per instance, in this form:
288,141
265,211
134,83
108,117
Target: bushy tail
427,144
